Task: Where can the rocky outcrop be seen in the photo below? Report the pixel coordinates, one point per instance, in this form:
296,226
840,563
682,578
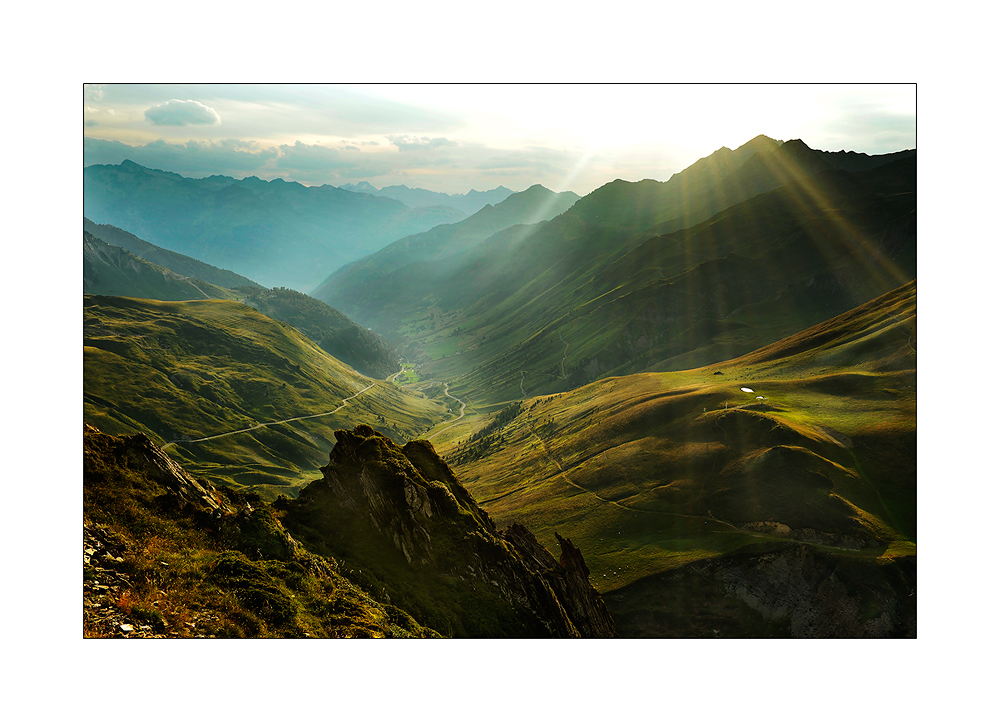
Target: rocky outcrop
819,596
400,514
799,591
138,452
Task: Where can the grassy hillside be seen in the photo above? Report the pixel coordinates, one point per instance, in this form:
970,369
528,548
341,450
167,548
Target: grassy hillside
334,332
176,262
113,271
184,371
656,472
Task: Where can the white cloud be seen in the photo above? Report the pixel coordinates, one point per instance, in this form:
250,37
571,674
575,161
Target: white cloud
182,112
412,142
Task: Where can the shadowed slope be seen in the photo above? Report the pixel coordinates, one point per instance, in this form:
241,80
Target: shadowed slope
114,271
176,262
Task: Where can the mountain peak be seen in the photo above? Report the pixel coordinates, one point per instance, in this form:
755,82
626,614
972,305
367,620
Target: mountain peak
758,144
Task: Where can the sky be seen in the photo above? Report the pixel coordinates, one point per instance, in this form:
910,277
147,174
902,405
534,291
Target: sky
456,137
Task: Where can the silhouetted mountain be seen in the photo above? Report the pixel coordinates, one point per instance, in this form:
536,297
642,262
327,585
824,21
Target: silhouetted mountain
278,233
240,567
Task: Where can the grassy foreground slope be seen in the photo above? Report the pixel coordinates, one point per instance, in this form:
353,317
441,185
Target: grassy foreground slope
658,476
184,371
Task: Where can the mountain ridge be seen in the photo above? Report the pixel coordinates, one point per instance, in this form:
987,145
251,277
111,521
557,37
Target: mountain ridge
179,263
468,203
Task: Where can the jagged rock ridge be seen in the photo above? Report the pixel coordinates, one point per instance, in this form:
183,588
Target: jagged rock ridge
400,513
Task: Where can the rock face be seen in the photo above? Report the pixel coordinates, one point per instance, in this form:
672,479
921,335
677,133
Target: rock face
796,592
140,453
400,517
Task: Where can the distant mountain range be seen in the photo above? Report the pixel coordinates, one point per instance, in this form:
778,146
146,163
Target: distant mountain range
467,203
278,233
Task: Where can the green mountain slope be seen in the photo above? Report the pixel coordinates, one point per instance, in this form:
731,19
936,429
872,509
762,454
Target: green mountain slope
754,273
114,271
771,239
703,507
278,233
390,283
176,262
334,332
181,372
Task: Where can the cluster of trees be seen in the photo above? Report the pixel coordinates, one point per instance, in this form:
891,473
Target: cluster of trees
489,437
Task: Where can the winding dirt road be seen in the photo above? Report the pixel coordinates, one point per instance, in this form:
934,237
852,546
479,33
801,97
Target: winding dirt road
274,423
461,414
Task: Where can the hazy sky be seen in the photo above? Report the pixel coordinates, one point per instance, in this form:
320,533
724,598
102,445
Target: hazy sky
454,138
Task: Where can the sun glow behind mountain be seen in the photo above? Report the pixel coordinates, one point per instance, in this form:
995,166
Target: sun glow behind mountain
455,137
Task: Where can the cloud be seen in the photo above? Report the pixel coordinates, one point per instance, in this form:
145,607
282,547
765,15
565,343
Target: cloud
91,123
411,142
302,156
322,164
351,147
182,112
